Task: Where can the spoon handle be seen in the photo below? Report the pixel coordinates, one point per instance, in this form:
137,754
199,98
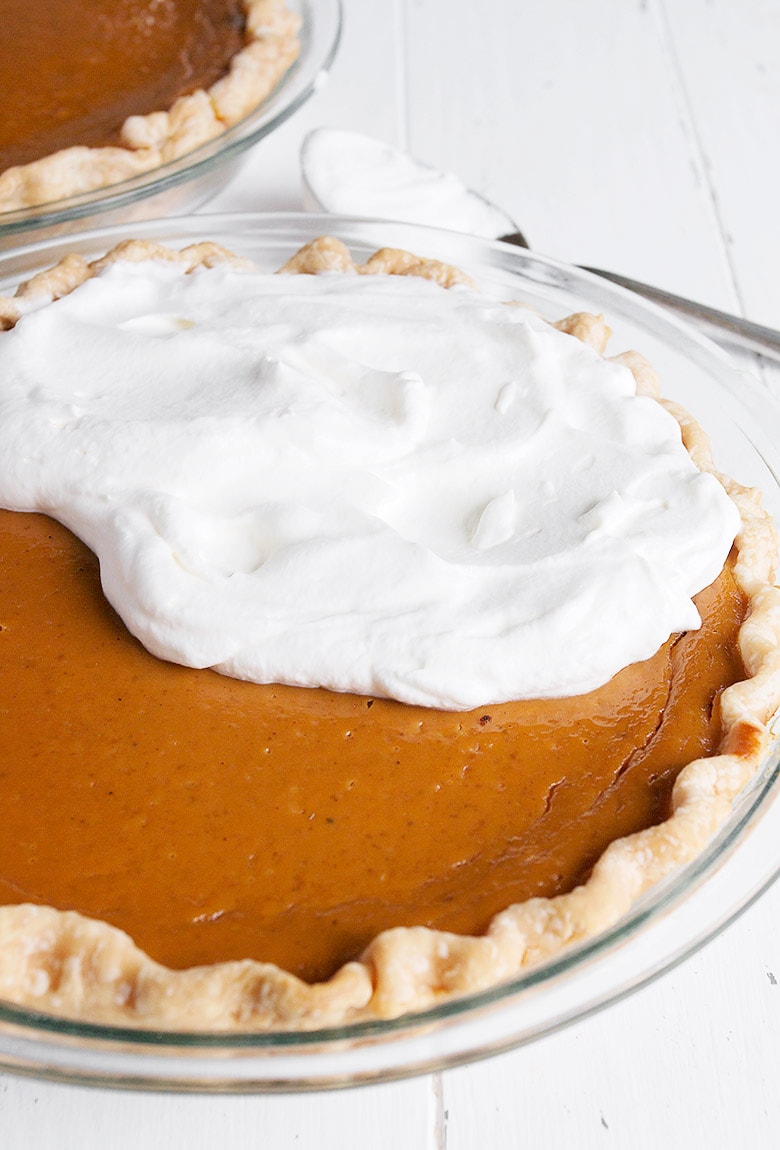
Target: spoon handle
719,325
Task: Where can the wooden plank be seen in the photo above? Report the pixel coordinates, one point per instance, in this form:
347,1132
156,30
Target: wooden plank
42,1115
573,117
729,58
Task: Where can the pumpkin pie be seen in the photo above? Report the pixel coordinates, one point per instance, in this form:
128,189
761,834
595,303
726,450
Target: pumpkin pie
188,849
94,95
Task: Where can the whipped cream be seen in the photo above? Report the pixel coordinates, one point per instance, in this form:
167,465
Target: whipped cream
351,174
367,483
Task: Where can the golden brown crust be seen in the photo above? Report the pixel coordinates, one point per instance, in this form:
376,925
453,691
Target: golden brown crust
328,254
149,141
391,261
645,375
589,329
325,254
72,270
63,963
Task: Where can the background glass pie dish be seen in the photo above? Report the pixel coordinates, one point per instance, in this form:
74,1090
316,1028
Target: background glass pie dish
668,923
184,184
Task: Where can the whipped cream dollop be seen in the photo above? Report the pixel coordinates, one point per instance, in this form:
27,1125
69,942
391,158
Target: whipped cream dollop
367,483
352,174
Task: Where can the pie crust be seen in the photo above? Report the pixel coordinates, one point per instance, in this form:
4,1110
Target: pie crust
147,142
66,964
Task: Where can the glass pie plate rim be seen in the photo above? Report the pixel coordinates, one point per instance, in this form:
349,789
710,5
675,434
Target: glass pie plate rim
737,865
320,36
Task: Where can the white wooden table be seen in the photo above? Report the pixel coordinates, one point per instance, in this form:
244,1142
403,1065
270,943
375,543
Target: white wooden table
641,137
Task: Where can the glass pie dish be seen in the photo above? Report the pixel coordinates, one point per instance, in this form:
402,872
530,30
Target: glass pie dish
186,183
664,926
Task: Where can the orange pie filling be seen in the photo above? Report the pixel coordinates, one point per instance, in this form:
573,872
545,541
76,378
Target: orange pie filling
96,64
214,819
97,93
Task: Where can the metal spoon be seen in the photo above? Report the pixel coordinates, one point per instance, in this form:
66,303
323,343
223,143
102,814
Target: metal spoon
721,326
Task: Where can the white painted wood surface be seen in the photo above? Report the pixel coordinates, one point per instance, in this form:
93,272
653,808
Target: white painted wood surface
642,137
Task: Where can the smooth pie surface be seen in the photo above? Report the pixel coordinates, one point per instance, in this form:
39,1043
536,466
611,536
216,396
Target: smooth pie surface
74,70
216,819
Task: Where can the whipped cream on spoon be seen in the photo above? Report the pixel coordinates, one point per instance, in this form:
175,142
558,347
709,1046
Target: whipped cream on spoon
346,173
